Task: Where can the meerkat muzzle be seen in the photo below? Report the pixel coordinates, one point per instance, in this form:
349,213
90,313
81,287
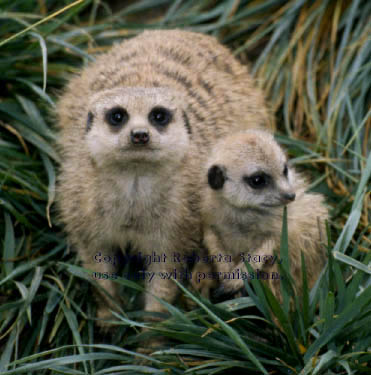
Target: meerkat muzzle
288,197
139,137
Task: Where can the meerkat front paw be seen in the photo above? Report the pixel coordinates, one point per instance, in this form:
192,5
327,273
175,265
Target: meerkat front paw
104,315
203,286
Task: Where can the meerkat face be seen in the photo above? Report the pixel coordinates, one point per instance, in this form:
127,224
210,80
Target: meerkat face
126,126
250,170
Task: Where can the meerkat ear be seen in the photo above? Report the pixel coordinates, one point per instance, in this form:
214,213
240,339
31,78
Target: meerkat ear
216,177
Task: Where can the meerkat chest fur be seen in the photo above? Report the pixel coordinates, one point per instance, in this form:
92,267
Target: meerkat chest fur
131,195
240,230
140,206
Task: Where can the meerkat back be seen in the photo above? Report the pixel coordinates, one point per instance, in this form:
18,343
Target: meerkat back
220,94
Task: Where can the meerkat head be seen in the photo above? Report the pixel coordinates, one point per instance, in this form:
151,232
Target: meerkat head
126,126
250,170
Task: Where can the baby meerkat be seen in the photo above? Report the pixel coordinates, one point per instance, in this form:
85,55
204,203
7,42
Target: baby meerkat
135,127
248,183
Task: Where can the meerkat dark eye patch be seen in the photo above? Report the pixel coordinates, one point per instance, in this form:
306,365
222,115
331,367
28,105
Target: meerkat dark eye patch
89,122
117,117
160,117
216,177
285,170
257,181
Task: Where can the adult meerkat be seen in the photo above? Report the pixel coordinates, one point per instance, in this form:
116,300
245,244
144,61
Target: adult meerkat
135,127
248,182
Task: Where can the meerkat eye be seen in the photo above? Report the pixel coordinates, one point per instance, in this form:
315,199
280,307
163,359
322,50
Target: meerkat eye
117,117
257,180
285,170
160,116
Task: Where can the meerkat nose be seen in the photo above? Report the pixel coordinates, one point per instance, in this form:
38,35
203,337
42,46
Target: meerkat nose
139,136
289,196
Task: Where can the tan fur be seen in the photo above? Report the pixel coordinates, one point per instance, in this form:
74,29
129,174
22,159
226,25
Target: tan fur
111,195
239,219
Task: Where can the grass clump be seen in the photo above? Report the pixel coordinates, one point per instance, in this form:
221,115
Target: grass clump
312,60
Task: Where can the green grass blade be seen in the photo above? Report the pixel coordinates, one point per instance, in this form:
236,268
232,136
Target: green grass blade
352,262
9,245
229,330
